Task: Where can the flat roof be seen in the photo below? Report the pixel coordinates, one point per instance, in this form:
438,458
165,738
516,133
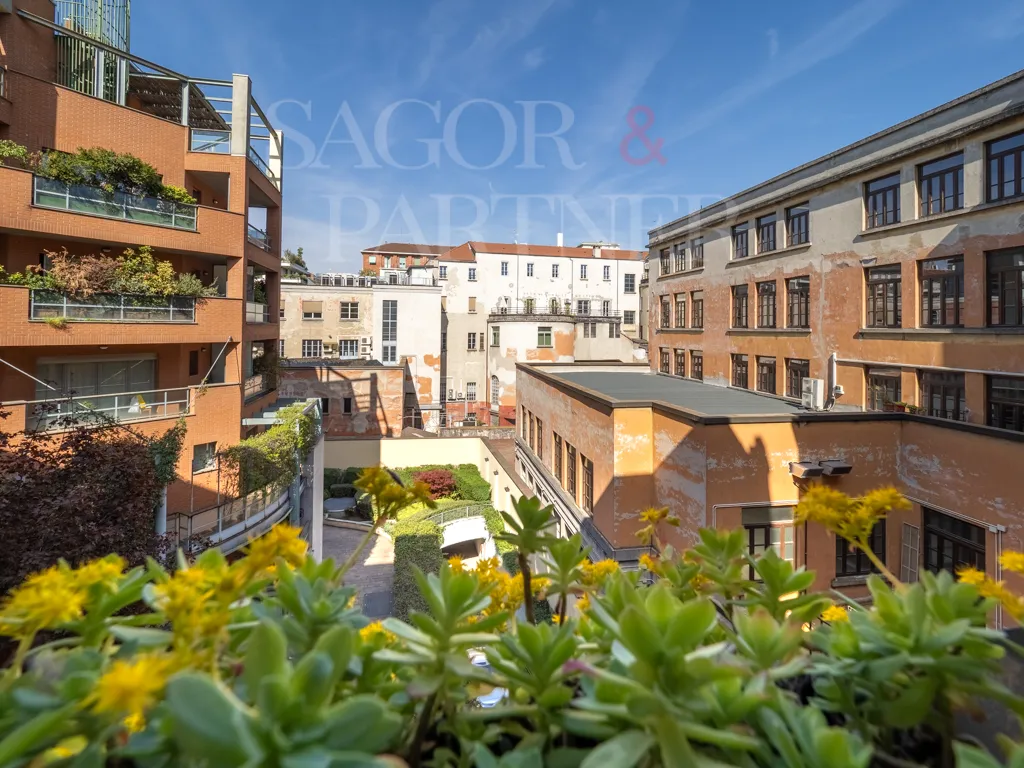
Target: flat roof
684,393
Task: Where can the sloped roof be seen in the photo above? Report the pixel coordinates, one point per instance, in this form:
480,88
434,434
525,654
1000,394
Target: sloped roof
468,251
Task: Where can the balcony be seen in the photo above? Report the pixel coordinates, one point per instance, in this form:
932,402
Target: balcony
232,524
119,407
213,142
263,168
94,201
112,308
256,312
258,238
531,312
256,386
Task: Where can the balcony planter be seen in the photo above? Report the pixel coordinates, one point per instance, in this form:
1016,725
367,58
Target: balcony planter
112,308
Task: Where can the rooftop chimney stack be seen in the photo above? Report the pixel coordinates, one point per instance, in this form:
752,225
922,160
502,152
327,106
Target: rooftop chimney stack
559,240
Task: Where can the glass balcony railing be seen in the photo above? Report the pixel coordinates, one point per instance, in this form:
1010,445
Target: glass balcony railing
256,312
120,407
256,385
215,142
95,201
260,163
259,238
112,308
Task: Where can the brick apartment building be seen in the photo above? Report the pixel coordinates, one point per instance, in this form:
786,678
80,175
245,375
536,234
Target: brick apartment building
143,366
395,258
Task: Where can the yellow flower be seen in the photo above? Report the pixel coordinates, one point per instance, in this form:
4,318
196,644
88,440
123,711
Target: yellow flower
134,723
373,633
1012,561
105,571
649,563
64,749
851,518
455,563
583,602
596,574
281,541
132,686
652,515
835,613
969,575
46,600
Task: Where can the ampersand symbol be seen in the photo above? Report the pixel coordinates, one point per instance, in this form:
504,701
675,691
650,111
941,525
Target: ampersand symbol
639,131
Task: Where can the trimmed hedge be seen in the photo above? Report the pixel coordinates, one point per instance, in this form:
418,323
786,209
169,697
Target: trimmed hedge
469,484
334,476
417,543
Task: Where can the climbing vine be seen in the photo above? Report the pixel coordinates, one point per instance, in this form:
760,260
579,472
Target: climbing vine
271,459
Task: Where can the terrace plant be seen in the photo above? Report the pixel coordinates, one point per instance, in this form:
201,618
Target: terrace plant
264,661
110,171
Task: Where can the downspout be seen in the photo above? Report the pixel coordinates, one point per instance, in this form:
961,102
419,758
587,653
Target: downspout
832,376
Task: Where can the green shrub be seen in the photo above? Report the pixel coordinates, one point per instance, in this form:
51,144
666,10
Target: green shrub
334,476
470,485
417,543
510,561
177,194
11,150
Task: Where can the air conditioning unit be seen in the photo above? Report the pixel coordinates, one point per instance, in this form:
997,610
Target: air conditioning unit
451,394
813,394
459,396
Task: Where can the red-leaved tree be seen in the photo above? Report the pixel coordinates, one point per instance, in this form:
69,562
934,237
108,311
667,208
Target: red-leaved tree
441,482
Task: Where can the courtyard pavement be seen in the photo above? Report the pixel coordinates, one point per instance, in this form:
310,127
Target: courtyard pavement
373,575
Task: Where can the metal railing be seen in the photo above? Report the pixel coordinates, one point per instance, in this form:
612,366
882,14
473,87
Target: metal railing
261,164
233,517
256,385
460,513
214,142
344,281
550,310
256,312
112,308
122,406
95,201
258,237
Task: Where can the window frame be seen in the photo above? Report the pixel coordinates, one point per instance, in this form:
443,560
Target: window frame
996,183
664,360
543,330
697,364
741,240
880,382
697,309
766,374
344,306
882,204
769,519
495,335
1005,281
210,453
679,257
933,177
353,346
680,318
570,470
697,253
798,224
504,269
878,281
583,271
767,297
665,318
943,384
471,341
629,282
442,272
587,500
606,272
554,270
529,269
629,317
798,302
679,356
740,306
939,286
964,550
797,370
471,275
862,565
1005,409
767,228
665,262
556,449
740,370
313,344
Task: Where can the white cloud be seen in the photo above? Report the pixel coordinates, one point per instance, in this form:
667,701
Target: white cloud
533,58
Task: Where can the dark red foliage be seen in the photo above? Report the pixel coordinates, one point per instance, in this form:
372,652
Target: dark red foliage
441,482
77,495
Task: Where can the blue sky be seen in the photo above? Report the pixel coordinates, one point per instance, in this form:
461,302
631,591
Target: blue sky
739,91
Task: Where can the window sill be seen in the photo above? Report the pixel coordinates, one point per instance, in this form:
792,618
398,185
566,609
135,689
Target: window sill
850,581
683,273
681,330
923,334
781,252
768,332
867,234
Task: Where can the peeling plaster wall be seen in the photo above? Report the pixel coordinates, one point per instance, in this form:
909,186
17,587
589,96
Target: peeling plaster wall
517,343
331,328
835,261
377,394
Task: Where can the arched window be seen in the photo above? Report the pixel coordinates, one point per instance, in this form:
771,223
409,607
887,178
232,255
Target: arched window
494,390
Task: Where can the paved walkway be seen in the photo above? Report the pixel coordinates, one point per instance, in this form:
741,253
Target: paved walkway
372,575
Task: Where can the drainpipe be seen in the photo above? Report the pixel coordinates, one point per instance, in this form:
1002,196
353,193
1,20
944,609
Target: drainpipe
832,376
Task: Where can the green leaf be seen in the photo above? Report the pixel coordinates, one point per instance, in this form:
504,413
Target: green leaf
208,720
623,751
362,723
29,735
473,639
566,757
691,624
312,681
968,756
266,654
423,685
404,631
912,705
141,637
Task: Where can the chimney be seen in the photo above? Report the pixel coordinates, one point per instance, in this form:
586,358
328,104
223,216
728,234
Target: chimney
559,240
597,251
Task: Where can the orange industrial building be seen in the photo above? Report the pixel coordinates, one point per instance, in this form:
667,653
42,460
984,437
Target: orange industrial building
68,81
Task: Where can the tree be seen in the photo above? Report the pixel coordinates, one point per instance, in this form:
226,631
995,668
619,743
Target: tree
295,257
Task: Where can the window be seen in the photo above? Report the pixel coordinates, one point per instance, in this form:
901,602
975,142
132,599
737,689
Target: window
529,269
680,257
280,348
472,274
389,331
850,561
798,297
373,260
570,470
769,528
401,262
582,307
204,457
193,362
1006,403
740,372
882,201
1006,287
540,439
471,342
680,310
798,224
504,269
280,311
666,313
532,432
588,483
583,271
942,292
796,371
553,306
472,305
680,362
495,336
697,365
1005,179
523,420
629,283
665,267
629,317
471,391
613,330
312,348
766,227
544,336
766,304
910,553
606,308
951,543
664,360
312,310
883,389
943,395
325,405
442,272
885,300
697,309
348,348
740,240
554,270
556,445
697,253
766,375
739,306
590,330
349,310
346,405
606,272
941,185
